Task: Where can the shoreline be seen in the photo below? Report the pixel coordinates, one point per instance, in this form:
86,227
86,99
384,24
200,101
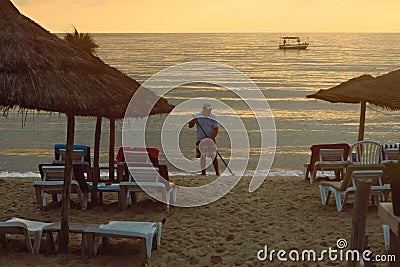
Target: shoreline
275,173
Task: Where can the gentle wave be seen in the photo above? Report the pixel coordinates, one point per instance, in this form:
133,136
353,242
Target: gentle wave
293,173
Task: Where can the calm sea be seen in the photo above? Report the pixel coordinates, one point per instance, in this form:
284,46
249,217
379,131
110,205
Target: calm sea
285,78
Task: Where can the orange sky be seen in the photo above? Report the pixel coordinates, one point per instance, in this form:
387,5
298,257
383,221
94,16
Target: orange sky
214,15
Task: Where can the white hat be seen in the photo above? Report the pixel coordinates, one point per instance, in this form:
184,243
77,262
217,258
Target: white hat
207,105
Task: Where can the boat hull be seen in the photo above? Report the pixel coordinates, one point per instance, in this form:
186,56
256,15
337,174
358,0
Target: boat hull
293,46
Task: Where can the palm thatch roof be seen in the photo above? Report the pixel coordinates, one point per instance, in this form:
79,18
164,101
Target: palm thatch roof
40,71
383,91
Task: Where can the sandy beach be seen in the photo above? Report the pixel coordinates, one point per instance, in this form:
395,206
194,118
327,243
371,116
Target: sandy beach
284,213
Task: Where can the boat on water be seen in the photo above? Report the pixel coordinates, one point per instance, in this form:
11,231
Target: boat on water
289,44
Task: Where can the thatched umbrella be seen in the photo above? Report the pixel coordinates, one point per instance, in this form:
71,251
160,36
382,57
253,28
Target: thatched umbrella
382,91
39,71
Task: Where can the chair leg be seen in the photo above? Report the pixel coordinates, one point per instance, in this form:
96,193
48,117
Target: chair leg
39,199
91,245
338,201
3,241
123,198
159,230
50,249
386,235
101,197
80,198
85,200
167,199
38,240
148,240
134,197
44,200
313,176
29,244
328,196
173,195
344,199
323,194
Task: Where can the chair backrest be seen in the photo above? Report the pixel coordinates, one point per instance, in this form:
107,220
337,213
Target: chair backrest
144,174
366,152
57,148
391,153
358,171
77,155
331,154
315,152
137,156
53,173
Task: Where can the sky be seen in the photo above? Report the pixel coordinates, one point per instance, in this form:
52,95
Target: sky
156,16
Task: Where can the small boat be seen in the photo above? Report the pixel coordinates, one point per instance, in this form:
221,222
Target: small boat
298,45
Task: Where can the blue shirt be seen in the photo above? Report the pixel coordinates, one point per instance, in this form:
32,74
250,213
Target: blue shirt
208,125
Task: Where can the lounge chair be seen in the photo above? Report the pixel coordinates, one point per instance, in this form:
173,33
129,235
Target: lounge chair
330,160
366,152
124,229
308,168
348,184
25,227
53,183
146,179
86,149
390,154
137,158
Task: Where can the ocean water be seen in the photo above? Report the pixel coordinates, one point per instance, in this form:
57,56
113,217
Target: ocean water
284,77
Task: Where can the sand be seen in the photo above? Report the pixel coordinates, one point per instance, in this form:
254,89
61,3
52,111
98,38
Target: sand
284,213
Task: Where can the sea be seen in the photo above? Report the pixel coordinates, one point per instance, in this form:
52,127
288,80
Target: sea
285,78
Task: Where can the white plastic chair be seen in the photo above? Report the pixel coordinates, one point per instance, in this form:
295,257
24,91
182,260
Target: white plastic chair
348,184
34,229
329,160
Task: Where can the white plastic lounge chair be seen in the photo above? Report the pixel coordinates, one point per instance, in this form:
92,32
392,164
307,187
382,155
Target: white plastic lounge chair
390,154
146,179
366,152
124,229
329,160
133,159
25,227
53,183
348,184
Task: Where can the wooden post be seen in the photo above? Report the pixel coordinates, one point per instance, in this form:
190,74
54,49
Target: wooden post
362,121
64,233
111,150
96,160
359,218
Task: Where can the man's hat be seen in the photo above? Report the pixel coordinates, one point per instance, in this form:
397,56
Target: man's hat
207,105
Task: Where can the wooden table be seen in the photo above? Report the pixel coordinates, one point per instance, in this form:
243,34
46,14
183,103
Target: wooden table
385,210
76,228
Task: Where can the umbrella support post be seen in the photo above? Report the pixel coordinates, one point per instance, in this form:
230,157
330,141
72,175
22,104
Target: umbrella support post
362,121
64,233
111,150
96,160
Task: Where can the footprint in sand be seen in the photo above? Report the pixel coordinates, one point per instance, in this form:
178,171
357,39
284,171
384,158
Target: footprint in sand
230,238
216,259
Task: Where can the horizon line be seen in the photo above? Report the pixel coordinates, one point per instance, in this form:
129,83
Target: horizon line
172,32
